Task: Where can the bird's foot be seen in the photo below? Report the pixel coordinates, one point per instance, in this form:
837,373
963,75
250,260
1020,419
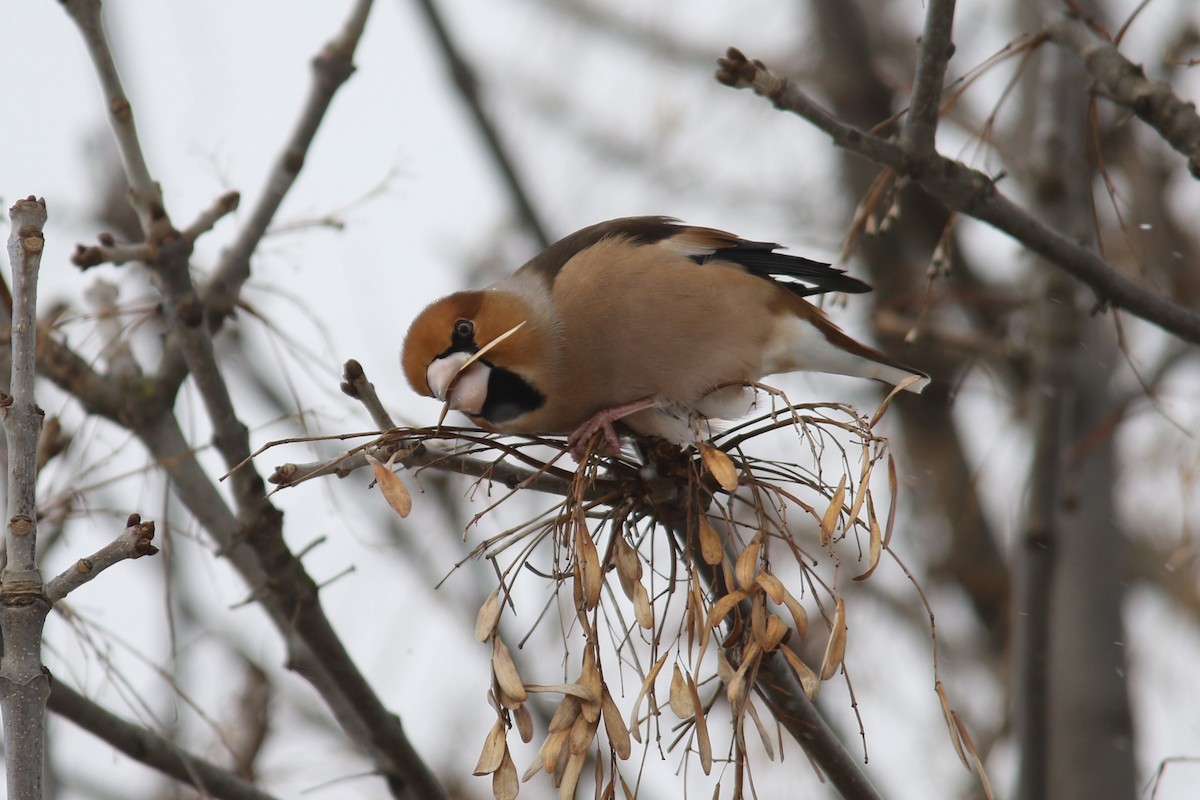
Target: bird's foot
610,445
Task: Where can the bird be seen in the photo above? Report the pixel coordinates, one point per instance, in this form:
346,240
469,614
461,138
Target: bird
648,321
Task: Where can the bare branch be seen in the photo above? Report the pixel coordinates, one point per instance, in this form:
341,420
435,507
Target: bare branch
253,538
133,542
145,193
149,748
1060,170
925,107
253,542
70,372
1126,83
225,204
111,252
356,385
779,686
972,192
23,607
22,417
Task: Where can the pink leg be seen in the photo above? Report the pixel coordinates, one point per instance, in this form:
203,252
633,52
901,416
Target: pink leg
578,440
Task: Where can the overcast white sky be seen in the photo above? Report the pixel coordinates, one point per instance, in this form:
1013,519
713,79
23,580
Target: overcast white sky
215,88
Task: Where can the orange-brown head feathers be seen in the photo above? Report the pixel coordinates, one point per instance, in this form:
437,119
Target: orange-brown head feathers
501,383
432,335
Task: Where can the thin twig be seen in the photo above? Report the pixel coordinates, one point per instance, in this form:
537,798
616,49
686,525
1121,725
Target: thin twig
133,542
223,205
111,252
145,193
356,385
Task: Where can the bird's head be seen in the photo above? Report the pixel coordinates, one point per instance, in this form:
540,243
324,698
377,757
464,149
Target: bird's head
477,351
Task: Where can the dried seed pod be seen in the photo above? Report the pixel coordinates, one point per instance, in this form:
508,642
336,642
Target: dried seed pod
570,776
504,781
746,567
587,562
876,544
524,723
799,615
582,734
564,716
703,743
776,630
832,514
711,549
495,748
647,687
552,748
488,617
614,726
642,610
772,586
589,677
629,565
808,678
720,465
835,648
721,608
506,673
393,489
680,698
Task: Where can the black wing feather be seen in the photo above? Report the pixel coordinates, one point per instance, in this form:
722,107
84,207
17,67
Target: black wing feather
799,275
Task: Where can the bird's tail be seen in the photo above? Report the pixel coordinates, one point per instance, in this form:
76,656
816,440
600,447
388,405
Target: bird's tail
810,342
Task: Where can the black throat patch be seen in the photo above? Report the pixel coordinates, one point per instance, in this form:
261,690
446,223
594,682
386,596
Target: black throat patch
509,396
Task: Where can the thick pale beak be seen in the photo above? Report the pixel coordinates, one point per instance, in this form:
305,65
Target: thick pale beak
467,388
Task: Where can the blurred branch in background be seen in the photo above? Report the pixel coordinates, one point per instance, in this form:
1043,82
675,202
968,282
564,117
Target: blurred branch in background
467,84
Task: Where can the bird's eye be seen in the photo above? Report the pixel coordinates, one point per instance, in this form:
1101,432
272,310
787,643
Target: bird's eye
464,329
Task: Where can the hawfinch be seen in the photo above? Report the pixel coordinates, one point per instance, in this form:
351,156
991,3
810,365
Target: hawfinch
642,319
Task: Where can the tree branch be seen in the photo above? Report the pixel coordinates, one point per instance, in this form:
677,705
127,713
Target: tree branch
133,542
145,193
1126,83
253,539
778,685
971,192
149,748
23,607
253,542
934,53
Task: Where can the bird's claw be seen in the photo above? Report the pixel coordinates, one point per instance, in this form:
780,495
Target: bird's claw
581,437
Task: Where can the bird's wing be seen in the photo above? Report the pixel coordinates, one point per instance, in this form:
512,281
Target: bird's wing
801,276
